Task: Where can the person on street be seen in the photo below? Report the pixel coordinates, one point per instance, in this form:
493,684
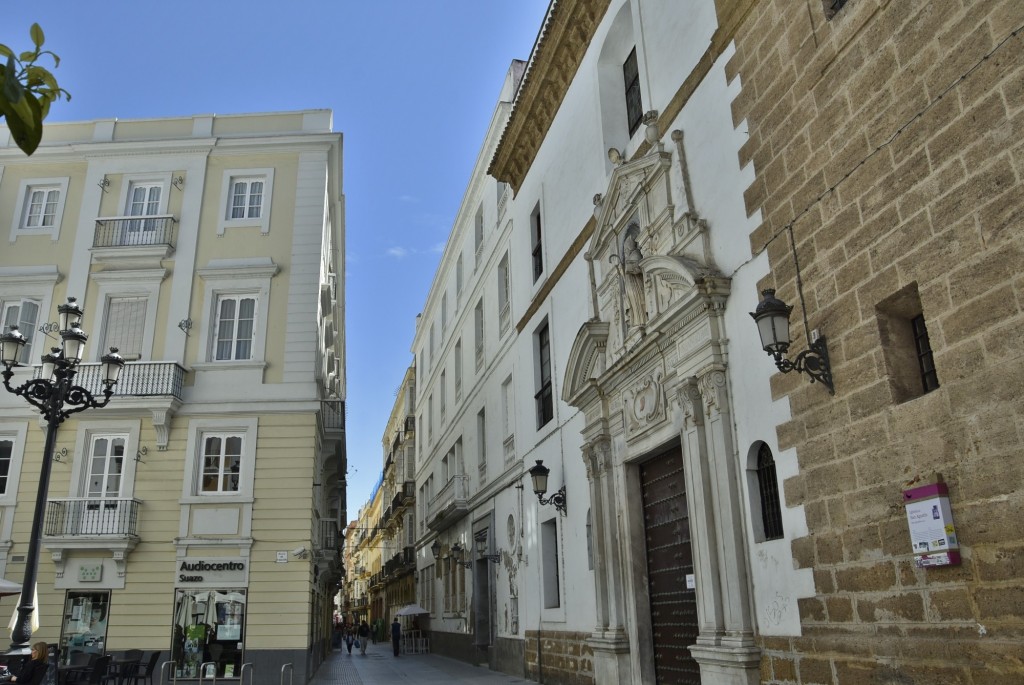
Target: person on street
364,636
33,670
396,634
349,638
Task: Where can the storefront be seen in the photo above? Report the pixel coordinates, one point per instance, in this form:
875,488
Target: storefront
209,617
84,627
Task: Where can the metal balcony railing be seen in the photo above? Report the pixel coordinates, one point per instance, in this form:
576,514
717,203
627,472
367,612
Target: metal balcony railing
131,231
138,379
333,413
92,517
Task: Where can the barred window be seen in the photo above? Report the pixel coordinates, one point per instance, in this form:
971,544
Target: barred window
768,485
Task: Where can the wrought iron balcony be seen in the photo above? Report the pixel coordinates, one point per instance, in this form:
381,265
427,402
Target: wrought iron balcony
133,231
92,517
139,379
332,413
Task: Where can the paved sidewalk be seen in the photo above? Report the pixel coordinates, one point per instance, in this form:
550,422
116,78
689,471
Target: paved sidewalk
380,667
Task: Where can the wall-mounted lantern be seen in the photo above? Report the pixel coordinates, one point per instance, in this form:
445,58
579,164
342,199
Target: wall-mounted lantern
772,319
539,476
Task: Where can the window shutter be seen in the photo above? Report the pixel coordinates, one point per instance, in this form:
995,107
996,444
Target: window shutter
126,326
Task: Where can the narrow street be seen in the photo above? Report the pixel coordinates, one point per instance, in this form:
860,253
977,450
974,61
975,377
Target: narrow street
379,667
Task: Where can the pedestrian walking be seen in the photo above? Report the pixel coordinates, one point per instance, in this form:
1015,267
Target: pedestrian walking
364,636
349,638
396,634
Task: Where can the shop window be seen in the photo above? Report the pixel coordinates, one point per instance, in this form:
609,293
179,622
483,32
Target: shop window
84,629
209,628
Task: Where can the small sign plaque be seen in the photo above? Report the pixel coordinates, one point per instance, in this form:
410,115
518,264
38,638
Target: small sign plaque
932,533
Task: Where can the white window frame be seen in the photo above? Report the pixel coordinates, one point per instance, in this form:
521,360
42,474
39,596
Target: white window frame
263,220
235,277
17,433
131,180
127,283
28,354
87,430
247,428
30,283
216,341
19,224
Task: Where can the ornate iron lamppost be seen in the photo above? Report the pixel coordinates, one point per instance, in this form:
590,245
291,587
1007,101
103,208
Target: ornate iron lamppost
56,397
539,476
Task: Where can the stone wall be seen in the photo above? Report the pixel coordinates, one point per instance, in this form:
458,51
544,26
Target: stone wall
890,138
565,657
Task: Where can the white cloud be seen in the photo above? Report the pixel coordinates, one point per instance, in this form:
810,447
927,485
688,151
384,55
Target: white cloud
438,248
397,252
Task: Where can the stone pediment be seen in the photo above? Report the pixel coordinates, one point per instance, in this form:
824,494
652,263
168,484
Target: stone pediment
586,360
628,192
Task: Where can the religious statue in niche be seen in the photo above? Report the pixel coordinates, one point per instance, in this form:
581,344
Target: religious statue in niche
633,279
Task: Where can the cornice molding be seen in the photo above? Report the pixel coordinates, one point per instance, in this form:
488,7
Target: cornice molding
556,58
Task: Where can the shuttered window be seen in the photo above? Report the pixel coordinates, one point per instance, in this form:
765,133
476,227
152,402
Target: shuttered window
126,326
24,314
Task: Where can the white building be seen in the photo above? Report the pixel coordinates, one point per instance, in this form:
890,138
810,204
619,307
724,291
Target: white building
592,314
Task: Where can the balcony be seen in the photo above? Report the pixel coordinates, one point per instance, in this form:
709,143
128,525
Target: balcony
404,496
332,415
91,524
450,504
133,238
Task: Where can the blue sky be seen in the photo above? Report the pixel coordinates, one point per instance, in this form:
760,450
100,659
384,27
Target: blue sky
413,85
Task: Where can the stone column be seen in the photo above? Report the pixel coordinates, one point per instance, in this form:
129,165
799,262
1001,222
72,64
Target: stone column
725,647
609,642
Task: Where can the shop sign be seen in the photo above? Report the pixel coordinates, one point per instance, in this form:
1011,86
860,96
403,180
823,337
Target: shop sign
205,571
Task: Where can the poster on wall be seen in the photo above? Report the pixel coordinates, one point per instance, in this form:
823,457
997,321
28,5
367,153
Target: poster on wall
930,519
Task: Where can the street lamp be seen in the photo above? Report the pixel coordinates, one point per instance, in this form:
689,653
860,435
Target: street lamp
457,551
539,476
56,398
772,319
481,550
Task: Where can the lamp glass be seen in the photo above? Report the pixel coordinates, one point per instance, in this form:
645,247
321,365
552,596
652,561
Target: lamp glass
49,364
481,546
435,549
112,363
74,344
774,332
69,315
539,475
11,344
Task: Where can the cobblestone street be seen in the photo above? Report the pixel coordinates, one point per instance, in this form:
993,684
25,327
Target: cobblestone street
379,667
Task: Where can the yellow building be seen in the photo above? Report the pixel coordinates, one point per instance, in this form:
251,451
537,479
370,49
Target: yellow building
197,514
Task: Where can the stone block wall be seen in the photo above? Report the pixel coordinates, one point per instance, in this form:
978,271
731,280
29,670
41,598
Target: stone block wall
888,146
565,657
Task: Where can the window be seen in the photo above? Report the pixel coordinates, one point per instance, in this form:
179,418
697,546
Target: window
443,391
234,330
143,200
923,347
444,310
504,305
543,397
508,422
42,207
906,348
832,7
222,460
432,337
458,370
478,332
246,198
478,235
6,454
236,315
535,243
549,562
211,634
481,444
106,465
768,488
634,105
430,418
24,314
84,629
126,326
459,274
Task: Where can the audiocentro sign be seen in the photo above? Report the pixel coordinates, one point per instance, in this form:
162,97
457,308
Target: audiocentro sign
215,572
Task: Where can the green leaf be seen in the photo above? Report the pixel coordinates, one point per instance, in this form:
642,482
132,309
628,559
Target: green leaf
28,56
37,35
39,75
11,88
28,131
5,51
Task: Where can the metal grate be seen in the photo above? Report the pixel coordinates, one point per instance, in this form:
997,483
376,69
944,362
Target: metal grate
925,361
634,105
768,484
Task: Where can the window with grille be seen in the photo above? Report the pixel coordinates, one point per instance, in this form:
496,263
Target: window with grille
543,398
925,362
634,105
768,487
